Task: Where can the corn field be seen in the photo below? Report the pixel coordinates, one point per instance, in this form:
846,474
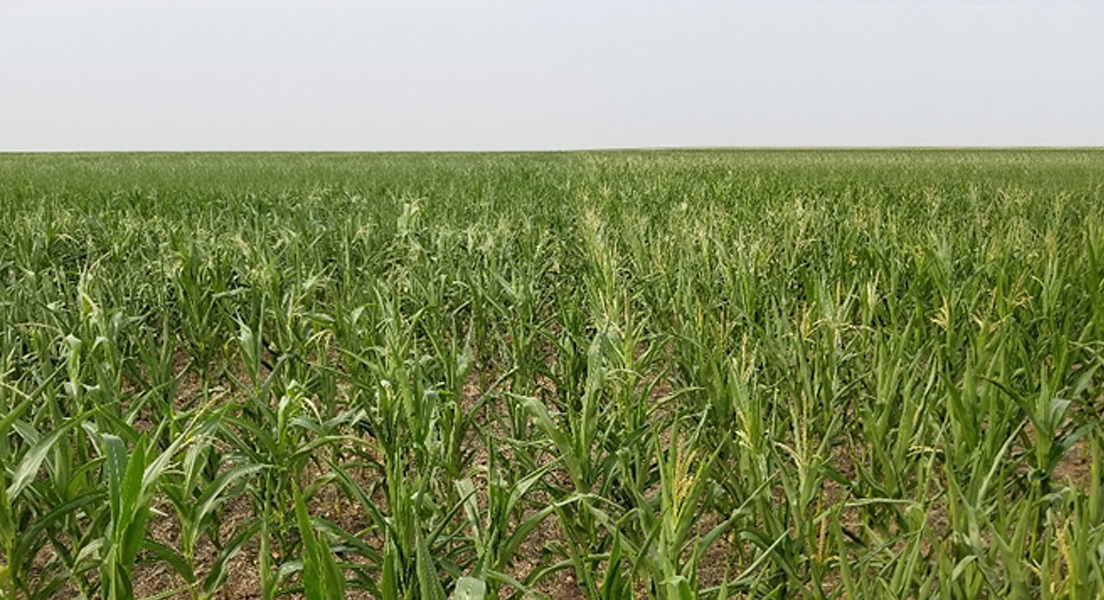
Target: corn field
662,375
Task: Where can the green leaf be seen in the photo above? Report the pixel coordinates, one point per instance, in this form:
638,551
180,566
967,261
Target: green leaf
28,467
170,556
469,588
428,583
116,466
322,577
217,575
212,494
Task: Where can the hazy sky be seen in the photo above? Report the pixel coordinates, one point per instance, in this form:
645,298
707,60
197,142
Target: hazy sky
520,74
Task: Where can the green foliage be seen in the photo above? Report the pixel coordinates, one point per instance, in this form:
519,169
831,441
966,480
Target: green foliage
664,375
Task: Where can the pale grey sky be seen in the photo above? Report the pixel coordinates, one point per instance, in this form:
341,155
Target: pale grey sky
531,74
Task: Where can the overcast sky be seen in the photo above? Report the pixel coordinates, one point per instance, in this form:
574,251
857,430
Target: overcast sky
528,74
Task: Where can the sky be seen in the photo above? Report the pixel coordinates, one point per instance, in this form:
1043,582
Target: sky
544,74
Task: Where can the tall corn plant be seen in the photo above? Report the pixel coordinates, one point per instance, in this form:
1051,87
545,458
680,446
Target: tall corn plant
133,480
